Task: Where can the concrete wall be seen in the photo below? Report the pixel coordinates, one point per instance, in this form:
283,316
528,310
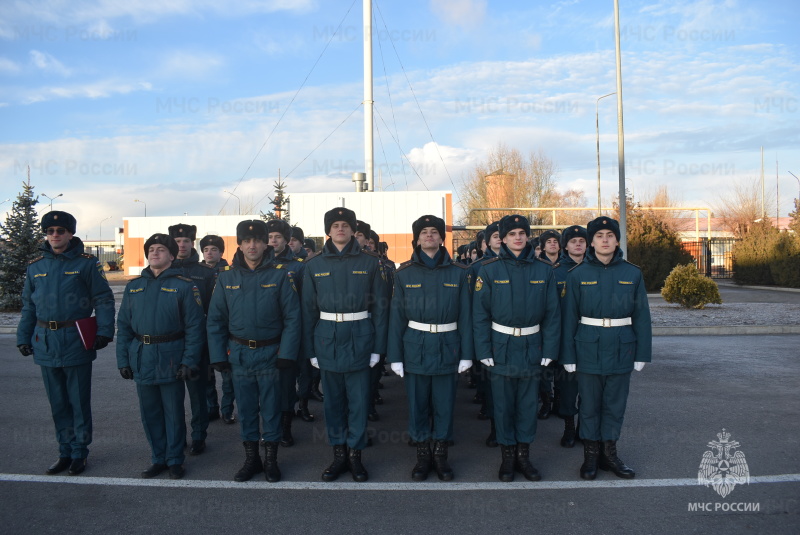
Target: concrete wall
389,213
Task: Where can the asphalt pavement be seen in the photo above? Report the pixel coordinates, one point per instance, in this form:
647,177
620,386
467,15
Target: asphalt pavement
696,387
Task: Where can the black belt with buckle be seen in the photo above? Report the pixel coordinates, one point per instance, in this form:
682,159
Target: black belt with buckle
252,344
55,325
148,339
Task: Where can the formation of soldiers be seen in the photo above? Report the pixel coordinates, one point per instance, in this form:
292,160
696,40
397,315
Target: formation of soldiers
521,315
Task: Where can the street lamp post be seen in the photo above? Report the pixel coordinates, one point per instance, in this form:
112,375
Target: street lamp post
798,184
51,199
100,241
145,206
237,198
597,130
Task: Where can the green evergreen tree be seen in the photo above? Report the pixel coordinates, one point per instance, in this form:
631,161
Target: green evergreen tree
795,224
654,247
755,253
280,203
20,238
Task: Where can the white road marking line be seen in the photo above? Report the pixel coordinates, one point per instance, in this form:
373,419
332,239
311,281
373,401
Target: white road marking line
388,486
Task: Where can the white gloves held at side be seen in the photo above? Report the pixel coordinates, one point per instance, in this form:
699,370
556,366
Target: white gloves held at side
490,362
397,367
374,358
464,365
315,362
570,368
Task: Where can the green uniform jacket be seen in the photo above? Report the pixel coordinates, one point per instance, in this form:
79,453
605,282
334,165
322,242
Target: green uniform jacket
599,291
560,270
64,287
254,305
352,281
203,275
516,292
290,263
430,295
160,306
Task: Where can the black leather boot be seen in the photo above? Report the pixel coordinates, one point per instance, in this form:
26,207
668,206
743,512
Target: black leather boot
153,470
568,438
610,461
252,462
509,453
339,464
544,410
302,411
271,471
287,440
423,466
316,394
443,470
591,452
491,440
77,466
59,466
523,463
356,468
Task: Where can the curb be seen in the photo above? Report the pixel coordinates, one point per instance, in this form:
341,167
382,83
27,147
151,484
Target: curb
717,330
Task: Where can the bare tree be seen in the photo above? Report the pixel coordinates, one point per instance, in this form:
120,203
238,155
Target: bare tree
739,207
508,179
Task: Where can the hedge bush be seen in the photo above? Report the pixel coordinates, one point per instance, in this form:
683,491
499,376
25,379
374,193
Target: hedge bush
688,288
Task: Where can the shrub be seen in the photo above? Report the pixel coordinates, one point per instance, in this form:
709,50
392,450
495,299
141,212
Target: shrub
753,255
654,247
785,269
688,288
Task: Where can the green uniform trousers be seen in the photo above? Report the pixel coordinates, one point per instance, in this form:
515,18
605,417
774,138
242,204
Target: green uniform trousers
515,401
161,408
345,406
431,396
258,393
603,400
69,390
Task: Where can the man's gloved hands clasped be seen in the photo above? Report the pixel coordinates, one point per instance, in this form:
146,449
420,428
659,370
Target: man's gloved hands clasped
25,349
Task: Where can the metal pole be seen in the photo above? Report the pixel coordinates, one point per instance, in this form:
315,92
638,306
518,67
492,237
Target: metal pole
237,198
623,216
597,131
369,152
763,208
145,206
798,183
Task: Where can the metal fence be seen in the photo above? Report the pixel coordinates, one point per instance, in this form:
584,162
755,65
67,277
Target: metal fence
105,255
714,257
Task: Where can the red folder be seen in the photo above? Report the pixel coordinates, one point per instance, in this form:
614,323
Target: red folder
87,329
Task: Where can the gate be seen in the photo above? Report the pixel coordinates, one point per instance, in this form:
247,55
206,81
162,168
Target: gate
714,257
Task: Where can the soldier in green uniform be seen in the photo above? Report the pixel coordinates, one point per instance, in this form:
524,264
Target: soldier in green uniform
62,286
160,341
483,385
281,256
345,322
213,247
254,331
203,276
517,329
607,334
430,341
573,246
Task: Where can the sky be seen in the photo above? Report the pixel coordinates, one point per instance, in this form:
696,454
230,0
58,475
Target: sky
194,106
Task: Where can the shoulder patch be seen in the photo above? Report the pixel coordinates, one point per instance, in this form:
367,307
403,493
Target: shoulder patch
371,253
494,259
87,255
404,265
459,264
187,279
542,260
204,265
573,267
300,259
631,263
36,259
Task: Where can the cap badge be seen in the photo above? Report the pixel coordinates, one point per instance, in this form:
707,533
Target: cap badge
251,227
516,219
605,222
55,216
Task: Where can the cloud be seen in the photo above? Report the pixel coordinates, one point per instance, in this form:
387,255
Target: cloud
92,90
464,13
8,67
181,64
47,63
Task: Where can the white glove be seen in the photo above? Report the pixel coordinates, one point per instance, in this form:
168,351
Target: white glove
397,367
464,365
570,367
374,358
315,362
638,366
545,362
488,362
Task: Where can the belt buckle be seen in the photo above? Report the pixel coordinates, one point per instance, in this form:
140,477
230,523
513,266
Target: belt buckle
606,322
517,331
52,325
146,339
251,344
433,328
339,317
